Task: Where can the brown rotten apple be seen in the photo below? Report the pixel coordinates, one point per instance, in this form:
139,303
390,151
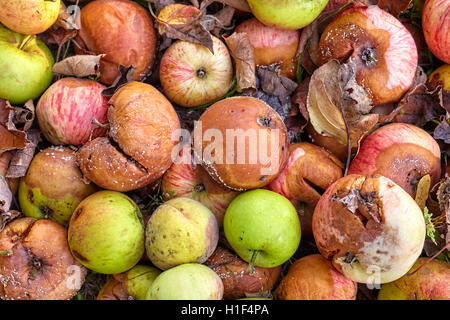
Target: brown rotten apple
138,151
369,227
121,29
237,280
186,179
314,278
36,263
241,142
384,51
401,152
309,171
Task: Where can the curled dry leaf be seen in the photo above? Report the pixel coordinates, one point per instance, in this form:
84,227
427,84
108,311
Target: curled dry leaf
308,48
243,55
337,104
443,196
69,17
21,160
223,19
241,5
423,190
272,83
442,132
10,137
125,76
78,66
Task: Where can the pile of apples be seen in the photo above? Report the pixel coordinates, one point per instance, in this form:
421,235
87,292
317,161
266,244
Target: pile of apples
120,187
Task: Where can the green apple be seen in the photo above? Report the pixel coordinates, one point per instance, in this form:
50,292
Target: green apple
262,227
29,16
189,281
181,230
106,232
287,14
25,66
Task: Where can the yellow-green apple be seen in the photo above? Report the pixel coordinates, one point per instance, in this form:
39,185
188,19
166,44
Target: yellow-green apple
25,66
401,152
67,109
436,28
310,170
181,230
431,282
369,228
262,227
238,280
122,30
106,232
186,179
36,263
288,14
191,75
175,14
53,186
272,45
189,281
29,16
132,284
313,277
383,49
440,76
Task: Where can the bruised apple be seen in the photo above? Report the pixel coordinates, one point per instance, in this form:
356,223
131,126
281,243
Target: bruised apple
124,31
36,263
401,152
186,179
314,278
369,228
272,45
383,49
241,142
238,281
309,171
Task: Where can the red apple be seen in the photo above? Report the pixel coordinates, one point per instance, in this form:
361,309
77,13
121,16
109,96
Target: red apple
272,45
436,27
369,228
384,51
309,171
191,75
67,108
401,152
186,179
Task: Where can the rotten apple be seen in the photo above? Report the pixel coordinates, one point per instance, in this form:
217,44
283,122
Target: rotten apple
272,45
314,278
67,109
401,152
383,49
310,170
436,28
369,227
187,179
36,263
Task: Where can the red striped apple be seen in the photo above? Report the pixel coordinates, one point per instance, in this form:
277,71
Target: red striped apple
67,108
383,49
192,76
436,27
401,152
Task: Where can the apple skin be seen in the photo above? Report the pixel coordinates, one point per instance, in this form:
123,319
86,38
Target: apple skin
272,45
106,232
53,186
309,168
186,179
314,278
441,75
181,230
436,28
381,240
401,152
67,108
175,14
29,16
429,283
263,223
288,14
384,51
24,73
188,281
191,75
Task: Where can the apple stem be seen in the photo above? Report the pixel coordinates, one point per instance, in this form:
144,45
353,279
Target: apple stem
5,253
429,260
251,266
25,41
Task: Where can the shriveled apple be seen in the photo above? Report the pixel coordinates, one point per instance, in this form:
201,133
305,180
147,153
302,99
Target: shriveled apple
369,227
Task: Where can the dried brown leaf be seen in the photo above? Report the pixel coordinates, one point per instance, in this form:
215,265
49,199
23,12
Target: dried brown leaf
423,190
395,7
223,19
8,216
69,17
78,66
21,160
274,84
125,76
5,195
241,5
